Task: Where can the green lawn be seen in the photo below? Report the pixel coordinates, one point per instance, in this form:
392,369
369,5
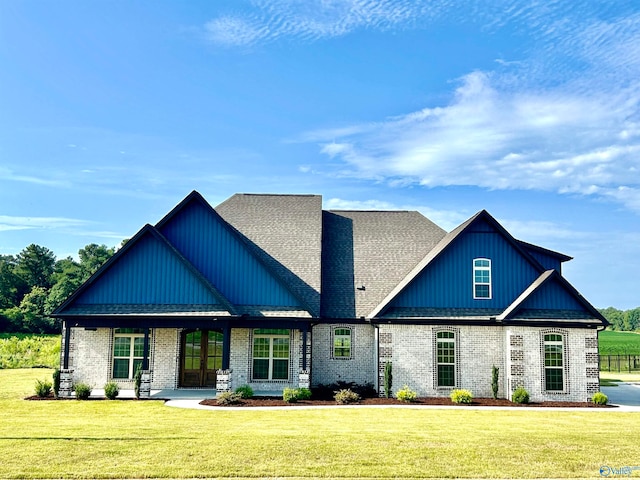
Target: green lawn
619,343
136,439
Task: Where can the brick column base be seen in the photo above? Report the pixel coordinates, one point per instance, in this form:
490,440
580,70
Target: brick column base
66,383
304,379
223,381
145,384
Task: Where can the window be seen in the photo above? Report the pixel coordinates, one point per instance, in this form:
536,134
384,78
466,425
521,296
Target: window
481,278
270,354
446,359
342,343
553,362
128,351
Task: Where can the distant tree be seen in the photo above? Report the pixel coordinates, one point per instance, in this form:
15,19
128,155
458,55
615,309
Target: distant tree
92,257
32,308
66,278
615,317
12,287
35,265
632,319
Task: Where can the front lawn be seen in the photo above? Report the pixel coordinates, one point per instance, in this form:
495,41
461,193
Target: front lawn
135,439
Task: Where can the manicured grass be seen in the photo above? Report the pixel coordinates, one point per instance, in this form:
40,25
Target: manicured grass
614,377
619,343
29,350
135,439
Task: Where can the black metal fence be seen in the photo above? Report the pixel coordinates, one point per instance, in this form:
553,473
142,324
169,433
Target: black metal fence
620,363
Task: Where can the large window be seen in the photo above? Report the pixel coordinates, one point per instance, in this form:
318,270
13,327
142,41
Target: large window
553,362
128,351
446,359
270,354
481,278
342,343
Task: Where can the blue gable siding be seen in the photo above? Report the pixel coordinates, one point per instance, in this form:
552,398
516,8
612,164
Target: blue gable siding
149,273
552,295
447,282
223,259
549,262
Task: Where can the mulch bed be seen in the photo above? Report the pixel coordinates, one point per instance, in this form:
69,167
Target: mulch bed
484,402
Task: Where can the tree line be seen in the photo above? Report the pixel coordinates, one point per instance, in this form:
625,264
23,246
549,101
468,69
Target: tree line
34,283
622,320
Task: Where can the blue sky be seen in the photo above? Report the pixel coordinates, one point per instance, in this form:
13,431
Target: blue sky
112,112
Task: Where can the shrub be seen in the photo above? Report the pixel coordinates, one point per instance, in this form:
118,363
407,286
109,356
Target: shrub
82,390
137,381
229,398
461,396
520,395
495,376
600,398
43,388
290,395
111,390
388,379
56,382
304,394
346,396
327,392
245,391
405,394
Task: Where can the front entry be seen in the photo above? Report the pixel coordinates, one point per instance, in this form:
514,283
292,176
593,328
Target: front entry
200,357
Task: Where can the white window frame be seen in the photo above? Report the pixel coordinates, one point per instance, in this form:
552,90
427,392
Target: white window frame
338,336
131,357
562,367
271,337
453,364
482,268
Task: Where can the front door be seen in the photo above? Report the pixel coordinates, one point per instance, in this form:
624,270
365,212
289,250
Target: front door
201,356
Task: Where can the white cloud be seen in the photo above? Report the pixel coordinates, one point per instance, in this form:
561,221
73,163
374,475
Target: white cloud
26,223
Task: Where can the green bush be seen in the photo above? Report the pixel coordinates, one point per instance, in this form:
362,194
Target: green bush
82,390
111,390
245,391
600,398
304,394
520,395
461,396
495,376
137,381
346,396
43,388
56,382
405,394
229,398
388,379
29,351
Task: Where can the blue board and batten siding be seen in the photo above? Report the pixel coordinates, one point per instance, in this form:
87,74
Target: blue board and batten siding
553,295
220,255
447,281
549,262
150,273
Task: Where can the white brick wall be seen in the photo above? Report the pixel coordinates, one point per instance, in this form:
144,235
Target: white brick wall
516,351
360,368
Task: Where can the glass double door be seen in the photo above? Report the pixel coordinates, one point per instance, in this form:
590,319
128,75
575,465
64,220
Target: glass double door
200,358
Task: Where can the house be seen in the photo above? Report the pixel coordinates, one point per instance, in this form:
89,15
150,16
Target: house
272,291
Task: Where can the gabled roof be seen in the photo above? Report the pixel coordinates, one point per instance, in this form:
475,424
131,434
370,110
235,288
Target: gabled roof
545,251
366,254
442,246
548,277
70,305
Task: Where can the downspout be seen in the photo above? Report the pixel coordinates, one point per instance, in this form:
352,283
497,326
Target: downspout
376,357
67,339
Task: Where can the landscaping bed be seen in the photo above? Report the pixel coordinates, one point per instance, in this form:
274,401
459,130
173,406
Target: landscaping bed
484,402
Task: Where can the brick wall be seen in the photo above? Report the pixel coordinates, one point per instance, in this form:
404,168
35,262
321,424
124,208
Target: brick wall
359,368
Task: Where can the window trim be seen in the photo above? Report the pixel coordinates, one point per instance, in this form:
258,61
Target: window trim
336,336
564,368
132,357
476,283
270,370
456,356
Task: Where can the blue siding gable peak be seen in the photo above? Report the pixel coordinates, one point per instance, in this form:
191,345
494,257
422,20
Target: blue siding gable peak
147,270
552,294
444,277
224,257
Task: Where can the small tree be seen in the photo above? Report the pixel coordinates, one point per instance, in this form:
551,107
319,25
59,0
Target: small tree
495,375
137,381
388,379
56,382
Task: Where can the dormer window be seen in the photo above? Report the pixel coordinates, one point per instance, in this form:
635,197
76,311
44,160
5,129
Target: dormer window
481,278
